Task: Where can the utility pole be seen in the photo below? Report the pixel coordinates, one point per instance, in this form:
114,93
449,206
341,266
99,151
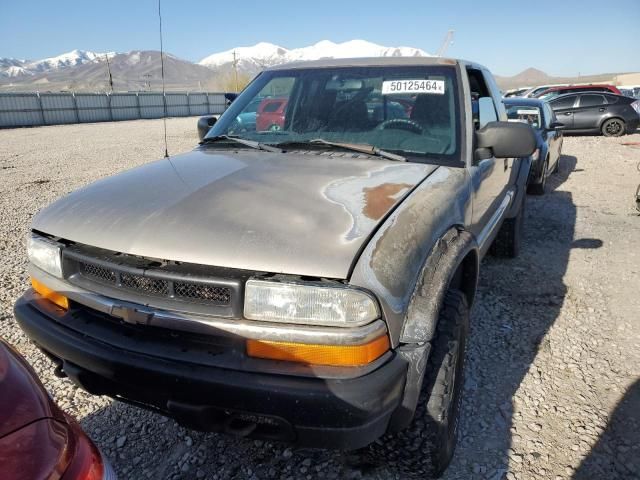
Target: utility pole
147,81
235,69
448,40
106,55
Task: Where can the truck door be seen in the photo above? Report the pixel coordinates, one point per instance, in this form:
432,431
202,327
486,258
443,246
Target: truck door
554,137
564,109
489,176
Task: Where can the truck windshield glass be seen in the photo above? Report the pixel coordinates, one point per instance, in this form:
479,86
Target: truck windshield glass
408,110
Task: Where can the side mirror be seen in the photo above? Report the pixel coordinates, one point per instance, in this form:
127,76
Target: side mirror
204,125
505,140
556,126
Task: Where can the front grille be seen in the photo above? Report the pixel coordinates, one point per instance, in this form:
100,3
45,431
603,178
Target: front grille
202,292
98,272
147,283
151,286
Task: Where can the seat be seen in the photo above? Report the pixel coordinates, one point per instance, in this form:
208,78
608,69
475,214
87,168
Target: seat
350,115
432,111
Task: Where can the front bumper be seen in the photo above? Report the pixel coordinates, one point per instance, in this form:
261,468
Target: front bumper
345,413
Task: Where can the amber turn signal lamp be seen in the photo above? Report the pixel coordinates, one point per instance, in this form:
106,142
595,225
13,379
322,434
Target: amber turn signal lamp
312,354
46,292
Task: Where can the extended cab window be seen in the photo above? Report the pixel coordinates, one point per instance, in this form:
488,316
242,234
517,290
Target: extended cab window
411,110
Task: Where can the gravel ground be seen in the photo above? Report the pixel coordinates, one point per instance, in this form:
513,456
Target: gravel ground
552,390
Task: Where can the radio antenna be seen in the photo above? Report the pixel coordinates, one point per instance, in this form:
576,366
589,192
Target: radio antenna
164,98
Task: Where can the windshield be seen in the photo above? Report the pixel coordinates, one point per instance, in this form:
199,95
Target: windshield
524,114
409,110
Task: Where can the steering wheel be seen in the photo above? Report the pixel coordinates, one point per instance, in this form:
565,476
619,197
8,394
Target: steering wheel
401,124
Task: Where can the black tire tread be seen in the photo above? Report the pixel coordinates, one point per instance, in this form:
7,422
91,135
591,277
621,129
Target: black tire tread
539,188
419,451
620,134
509,237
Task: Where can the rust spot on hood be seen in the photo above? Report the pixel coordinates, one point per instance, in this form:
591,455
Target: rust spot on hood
379,199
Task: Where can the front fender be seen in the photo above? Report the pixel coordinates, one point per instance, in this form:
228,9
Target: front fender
392,261
524,169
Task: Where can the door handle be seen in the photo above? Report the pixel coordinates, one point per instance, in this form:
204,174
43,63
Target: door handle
601,109
568,113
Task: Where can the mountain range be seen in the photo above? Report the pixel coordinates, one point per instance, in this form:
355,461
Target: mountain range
265,54
139,70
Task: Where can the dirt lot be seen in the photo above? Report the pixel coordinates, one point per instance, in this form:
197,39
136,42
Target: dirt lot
553,385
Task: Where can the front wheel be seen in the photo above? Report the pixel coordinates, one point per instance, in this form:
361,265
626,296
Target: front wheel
539,188
426,447
614,127
507,242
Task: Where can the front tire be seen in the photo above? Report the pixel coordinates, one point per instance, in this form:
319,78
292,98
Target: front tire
426,447
614,127
539,188
509,239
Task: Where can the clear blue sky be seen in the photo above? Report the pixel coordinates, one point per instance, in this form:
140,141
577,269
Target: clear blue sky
561,37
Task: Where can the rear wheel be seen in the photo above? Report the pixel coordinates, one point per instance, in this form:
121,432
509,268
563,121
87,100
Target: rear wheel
507,242
614,127
539,188
426,447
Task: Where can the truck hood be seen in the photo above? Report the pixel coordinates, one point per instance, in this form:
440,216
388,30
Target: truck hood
299,213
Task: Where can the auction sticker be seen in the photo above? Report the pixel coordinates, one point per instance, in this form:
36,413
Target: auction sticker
389,87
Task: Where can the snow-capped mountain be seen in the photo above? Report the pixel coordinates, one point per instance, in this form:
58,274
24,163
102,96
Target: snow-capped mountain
267,54
69,59
84,70
15,71
262,53
11,67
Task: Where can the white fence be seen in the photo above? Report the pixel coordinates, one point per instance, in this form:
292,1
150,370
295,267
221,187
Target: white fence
33,109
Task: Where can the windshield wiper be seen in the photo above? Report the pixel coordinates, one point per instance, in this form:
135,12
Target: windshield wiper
242,141
355,147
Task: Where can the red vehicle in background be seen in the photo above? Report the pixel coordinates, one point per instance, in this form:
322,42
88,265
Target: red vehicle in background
270,114
553,92
37,439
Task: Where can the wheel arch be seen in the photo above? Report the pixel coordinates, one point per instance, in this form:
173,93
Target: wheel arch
454,260
452,263
613,117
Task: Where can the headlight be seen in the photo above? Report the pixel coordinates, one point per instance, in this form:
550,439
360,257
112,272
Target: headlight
45,254
308,304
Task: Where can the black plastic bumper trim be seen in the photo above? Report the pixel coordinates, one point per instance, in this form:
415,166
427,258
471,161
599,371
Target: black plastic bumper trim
313,412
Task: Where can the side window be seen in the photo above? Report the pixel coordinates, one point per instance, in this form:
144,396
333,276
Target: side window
482,104
611,99
591,100
564,102
272,107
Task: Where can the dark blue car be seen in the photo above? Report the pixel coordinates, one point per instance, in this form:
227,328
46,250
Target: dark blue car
546,158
